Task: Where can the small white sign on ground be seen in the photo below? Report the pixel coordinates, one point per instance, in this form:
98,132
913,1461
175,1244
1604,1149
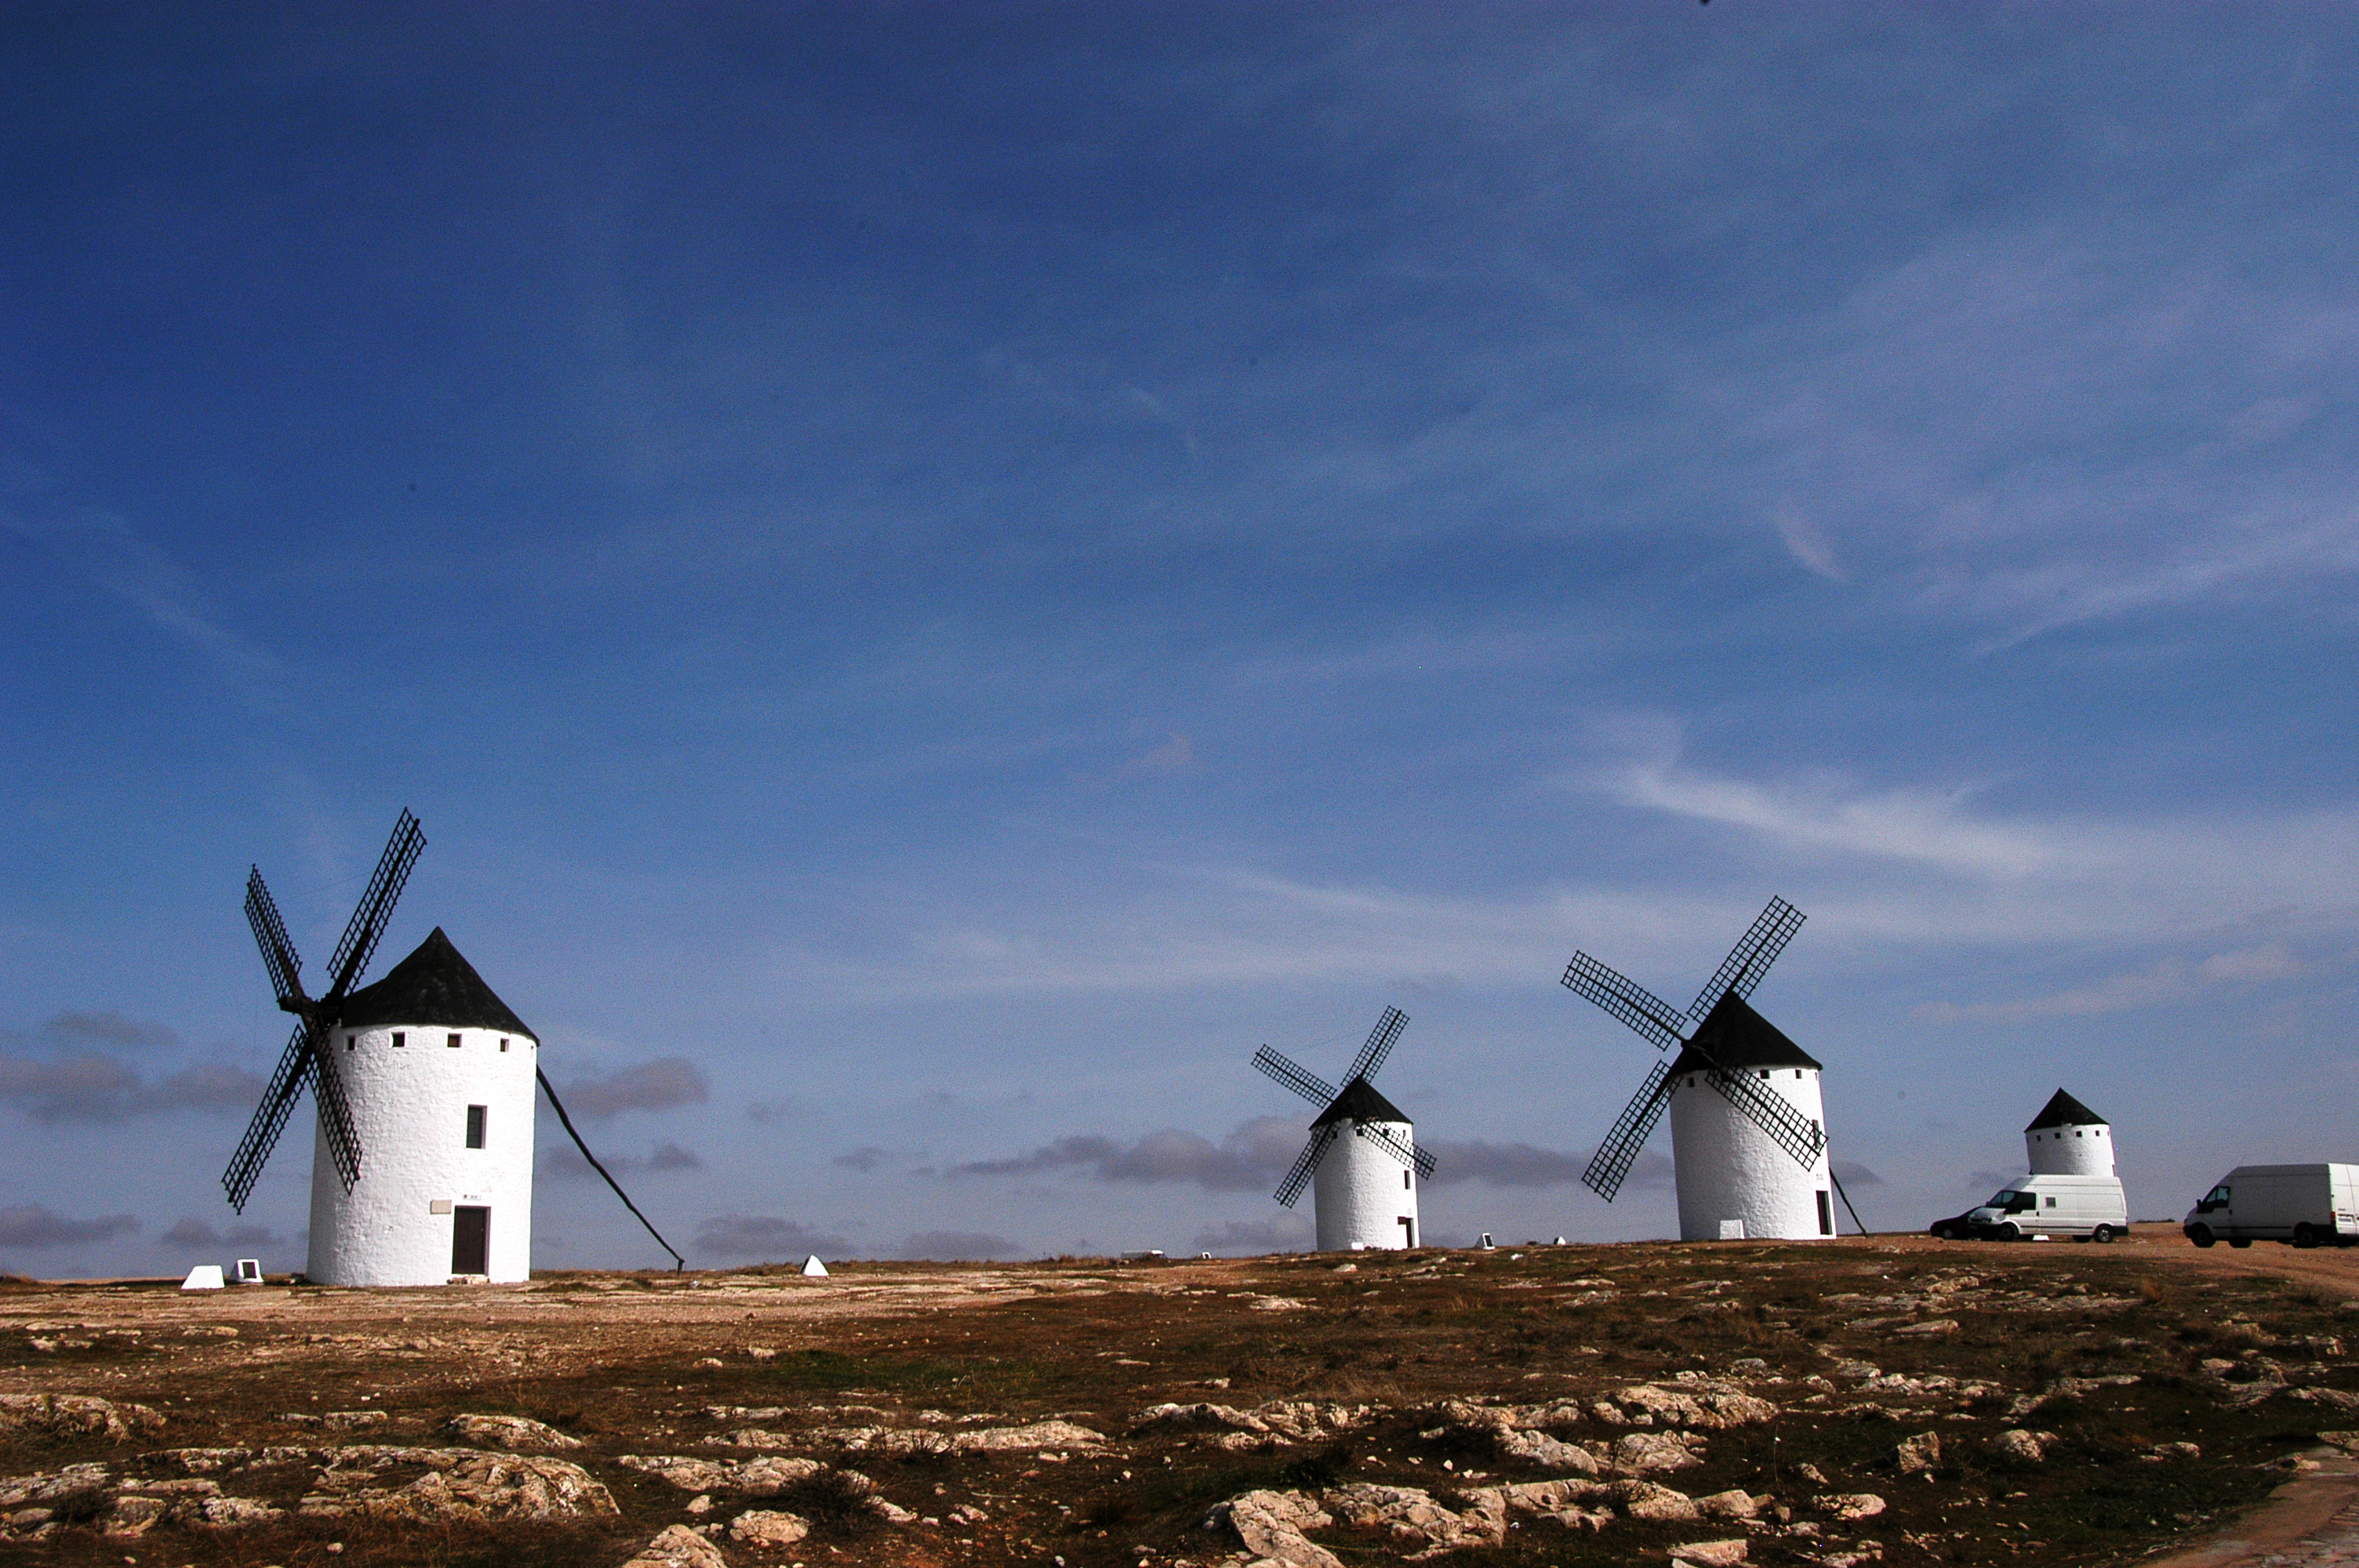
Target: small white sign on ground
813,1269
249,1270
205,1277
1732,1230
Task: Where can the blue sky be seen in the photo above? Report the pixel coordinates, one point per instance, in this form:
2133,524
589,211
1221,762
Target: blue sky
939,574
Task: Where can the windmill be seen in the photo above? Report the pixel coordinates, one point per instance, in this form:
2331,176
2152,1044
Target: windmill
1357,1204
1750,1157
421,1171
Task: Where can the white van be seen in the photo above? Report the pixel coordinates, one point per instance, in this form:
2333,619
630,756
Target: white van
2308,1205
2086,1208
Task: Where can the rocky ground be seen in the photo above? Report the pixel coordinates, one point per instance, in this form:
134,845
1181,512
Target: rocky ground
1869,1401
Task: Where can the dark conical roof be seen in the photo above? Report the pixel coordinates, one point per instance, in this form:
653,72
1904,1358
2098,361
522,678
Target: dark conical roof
2066,1111
1360,1102
1733,1035
434,985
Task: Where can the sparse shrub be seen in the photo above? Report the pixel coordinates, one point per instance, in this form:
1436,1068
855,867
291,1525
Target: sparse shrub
841,1502
1315,1472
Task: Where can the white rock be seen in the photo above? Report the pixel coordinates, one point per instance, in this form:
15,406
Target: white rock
1270,1524
1921,1452
1850,1505
676,1546
1643,1452
768,1526
514,1433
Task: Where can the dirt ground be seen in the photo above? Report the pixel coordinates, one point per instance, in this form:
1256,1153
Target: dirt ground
1880,1400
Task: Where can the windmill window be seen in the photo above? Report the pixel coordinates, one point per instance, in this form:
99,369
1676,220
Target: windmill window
1404,1178
399,1040
475,1127
1765,1075
504,1042
2076,1135
351,1041
452,1041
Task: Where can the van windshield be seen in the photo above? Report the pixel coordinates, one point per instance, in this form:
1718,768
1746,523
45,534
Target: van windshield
2009,1201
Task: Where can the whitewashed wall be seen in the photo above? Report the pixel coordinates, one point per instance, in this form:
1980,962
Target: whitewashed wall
409,1105
1728,1168
1360,1196
2083,1151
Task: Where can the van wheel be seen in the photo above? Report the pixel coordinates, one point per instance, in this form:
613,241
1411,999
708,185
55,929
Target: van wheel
2304,1237
2103,1233
2240,1242
2201,1235
2008,1232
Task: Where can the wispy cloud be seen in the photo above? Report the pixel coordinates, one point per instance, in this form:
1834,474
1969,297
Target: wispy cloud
1254,1155
663,1083
765,1236
102,548
1253,1238
563,1162
93,1088
1932,827
1805,540
2035,428
102,1026
1503,1164
2009,878
2171,980
952,1246
190,1232
1650,1170
34,1225
1850,1173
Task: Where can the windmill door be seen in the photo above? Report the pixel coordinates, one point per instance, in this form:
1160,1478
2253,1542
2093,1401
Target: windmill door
471,1241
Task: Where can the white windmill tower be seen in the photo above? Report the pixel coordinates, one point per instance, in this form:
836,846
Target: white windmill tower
2068,1139
427,1072
1748,1129
1366,1196
440,1075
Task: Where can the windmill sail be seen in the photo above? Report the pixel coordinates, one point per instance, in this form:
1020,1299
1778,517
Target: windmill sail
1751,958
1629,1135
1302,1080
306,1062
1305,1164
1379,1045
1655,1020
